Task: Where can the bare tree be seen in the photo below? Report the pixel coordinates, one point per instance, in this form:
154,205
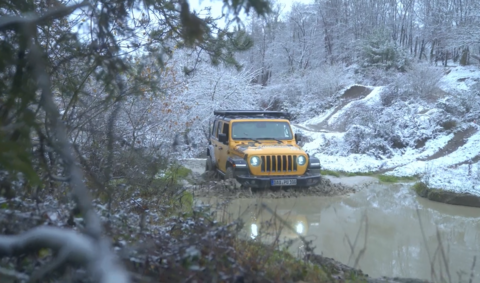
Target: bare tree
65,71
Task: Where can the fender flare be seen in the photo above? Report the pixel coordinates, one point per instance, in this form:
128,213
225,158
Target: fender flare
238,163
313,163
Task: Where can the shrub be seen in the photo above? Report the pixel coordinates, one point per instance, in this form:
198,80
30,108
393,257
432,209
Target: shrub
388,178
380,51
421,80
394,179
326,81
330,173
273,104
465,105
448,125
364,140
420,188
389,96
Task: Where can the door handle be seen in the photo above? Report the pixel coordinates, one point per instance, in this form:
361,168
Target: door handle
220,148
215,145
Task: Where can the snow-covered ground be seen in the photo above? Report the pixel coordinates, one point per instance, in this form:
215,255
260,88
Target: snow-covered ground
445,159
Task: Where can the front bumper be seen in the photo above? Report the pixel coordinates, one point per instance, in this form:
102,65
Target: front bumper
306,180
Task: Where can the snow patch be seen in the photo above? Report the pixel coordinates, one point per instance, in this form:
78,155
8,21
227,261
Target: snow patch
460,78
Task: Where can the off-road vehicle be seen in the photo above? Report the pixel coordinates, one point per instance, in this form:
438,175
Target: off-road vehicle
259,150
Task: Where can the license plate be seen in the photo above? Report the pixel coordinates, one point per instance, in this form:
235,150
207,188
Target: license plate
284,182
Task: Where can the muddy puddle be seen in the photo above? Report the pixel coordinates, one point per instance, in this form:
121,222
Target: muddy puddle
378,229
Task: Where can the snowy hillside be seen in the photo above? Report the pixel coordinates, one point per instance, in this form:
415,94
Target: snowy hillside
405,129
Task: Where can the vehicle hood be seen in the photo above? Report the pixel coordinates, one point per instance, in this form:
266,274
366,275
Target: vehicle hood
268,148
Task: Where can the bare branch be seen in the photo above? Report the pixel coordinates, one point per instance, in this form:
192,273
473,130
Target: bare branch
105,259
91,250
72,248
58,178
14,22
13,274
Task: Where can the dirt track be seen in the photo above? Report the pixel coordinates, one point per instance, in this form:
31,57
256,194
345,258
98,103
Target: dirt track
355,92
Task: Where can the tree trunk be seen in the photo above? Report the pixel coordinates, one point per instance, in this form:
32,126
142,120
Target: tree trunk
416,46
464,59
432,51
446,59
422,49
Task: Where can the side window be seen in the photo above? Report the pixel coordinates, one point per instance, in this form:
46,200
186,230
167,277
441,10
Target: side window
214,128
226,128
219,129
286,131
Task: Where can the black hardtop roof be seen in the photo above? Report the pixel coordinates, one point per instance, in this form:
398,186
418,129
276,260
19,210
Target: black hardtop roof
231,114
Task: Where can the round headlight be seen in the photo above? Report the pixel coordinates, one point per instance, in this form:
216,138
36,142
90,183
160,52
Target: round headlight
301,160
255,161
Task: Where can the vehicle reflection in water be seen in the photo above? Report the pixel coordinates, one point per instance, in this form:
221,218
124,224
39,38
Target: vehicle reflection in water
383,219
283,226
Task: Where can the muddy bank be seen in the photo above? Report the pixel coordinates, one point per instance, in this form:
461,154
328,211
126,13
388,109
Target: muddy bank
205,186
341,272
448,197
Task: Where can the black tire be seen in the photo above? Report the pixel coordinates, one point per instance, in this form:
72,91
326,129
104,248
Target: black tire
230,174
209,164
230,177
210,169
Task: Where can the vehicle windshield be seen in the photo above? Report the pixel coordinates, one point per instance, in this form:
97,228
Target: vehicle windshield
261,130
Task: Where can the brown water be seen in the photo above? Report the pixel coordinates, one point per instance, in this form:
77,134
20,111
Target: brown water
388,227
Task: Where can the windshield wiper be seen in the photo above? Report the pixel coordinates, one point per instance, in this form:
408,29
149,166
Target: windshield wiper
278,140
250,139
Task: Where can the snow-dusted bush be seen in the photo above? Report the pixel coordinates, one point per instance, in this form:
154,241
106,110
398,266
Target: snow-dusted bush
273,103
386,131
421,80
315,91
326,81
464,105
380,51
308,95
366,140
288,93
375,76
209,89
389,95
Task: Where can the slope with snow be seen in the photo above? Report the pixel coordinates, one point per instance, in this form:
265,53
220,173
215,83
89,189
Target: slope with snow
406,135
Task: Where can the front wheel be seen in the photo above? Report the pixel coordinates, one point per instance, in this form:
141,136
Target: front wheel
230,177
210,168
230,174
209,164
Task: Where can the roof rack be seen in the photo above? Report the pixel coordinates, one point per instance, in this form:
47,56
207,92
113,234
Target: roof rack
251,113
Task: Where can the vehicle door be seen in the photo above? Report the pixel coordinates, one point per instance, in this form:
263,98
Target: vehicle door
217,145
223,148
211,142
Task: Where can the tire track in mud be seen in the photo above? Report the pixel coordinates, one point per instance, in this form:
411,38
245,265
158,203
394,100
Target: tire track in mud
354,93
473,160
459,139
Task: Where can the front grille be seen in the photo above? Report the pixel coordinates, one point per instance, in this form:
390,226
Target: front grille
279,163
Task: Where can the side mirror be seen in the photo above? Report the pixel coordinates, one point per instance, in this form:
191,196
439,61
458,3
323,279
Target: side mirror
298,138
222,138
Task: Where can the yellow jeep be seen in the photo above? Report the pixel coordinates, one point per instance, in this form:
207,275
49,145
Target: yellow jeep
258,149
